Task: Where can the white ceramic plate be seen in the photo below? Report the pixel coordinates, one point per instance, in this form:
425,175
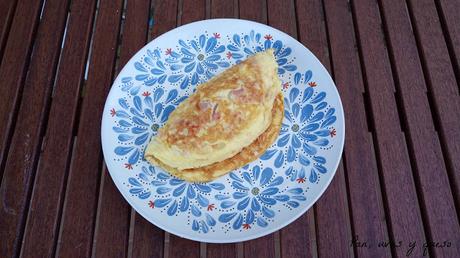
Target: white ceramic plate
252,201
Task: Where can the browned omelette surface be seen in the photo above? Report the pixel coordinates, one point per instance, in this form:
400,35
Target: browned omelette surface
248,154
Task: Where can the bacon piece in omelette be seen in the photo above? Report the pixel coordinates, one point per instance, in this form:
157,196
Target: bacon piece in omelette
224,116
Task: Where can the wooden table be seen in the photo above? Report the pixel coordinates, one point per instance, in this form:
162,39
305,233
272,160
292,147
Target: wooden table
397,68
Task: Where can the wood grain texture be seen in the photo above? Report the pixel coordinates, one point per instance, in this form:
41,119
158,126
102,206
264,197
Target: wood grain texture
254,10
13,68
148,240
333,226
221,251
24,150
404,214
449,13
79,213
47,197
441,82
434,189
193,10
7,9
366,205
112,241
181,247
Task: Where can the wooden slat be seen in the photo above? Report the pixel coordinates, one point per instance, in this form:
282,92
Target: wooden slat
112,241
404,212
368,217
7,9
16,187
148,240
181,247
441,83
44,213
82,188
254,10
332,214
431,173
224,9
260,247
13,68
164,15
449,12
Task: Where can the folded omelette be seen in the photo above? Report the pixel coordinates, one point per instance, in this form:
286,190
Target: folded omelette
226,123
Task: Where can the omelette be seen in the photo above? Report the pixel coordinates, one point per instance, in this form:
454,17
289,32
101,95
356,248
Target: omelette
226,123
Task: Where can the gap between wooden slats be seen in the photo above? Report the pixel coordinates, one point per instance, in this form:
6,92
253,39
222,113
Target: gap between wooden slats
7,9
78,222
17,53
442,85
59,137
32,115
133,34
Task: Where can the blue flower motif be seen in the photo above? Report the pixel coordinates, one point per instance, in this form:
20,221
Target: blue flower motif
139,120
255,193
304,129
197,61
252,43
151,71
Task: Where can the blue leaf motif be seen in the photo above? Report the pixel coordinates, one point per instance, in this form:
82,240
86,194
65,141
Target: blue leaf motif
330,112
318,97
195,211
310,150
203,188
295,141
290,154
134,157
281,61
182,43
238,222
148,101
139,67
304,160
318,116
210,220
321,168
239,195
162,79
299,198
308,75
217,186
155,71
175,78
204,227
279,160
134,90
302,173
270,191
268,212
126,79
297,77
250,217
219,50
282,198
290,68
297,190
179,190
144,195
319,159
287,51
184,204
125,123
283,140
135,190
293,94
235,177
226,217
268,154
329,121
119,129
163,190
184,83
172,209
310,127
293,204
166,113
243,204
221,197
321,142
195,225
267,174
306,113
141,139
137,103
277,181
239,186
121,151
256,172
261,222
158,109
191,193
163,176
160,203
267,44
247,177
295,109
158,94
134,181
125,137
307,94
227,204
122,114
202,200
232,48
255,205
202,40
237,40
313,176
321,105
213,58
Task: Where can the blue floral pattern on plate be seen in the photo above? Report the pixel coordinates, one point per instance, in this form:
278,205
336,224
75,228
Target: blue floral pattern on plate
252,197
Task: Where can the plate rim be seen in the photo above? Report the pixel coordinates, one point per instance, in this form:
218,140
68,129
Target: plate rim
269,230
